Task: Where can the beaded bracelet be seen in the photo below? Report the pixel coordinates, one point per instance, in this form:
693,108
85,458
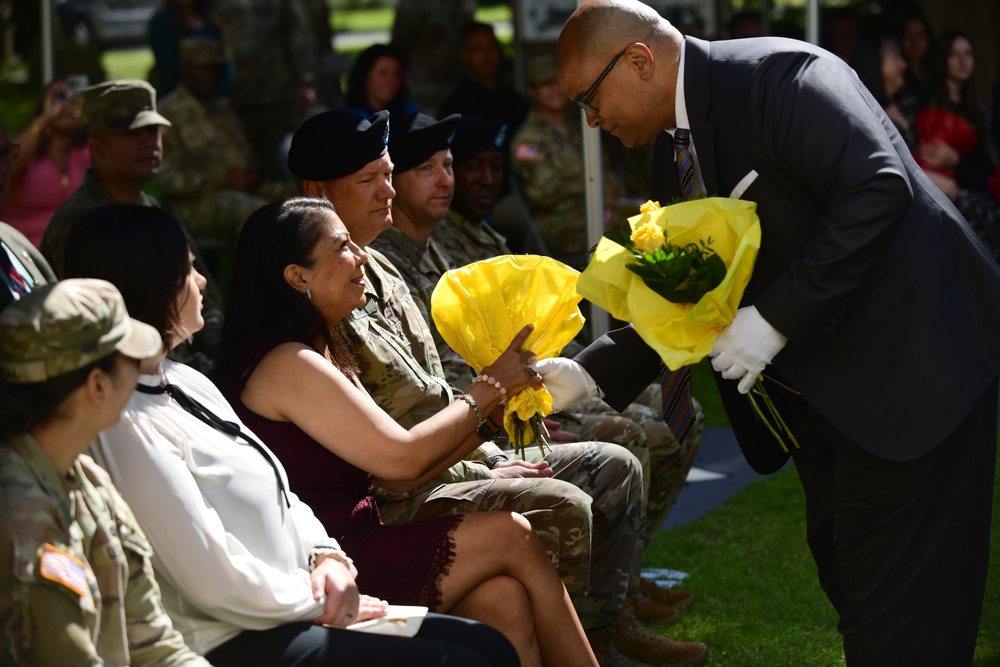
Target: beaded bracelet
492,381
475,406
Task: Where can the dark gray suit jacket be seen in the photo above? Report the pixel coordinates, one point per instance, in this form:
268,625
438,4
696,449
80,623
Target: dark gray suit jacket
890,303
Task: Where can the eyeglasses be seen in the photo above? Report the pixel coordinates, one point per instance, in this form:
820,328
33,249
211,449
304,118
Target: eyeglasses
583,101
10,151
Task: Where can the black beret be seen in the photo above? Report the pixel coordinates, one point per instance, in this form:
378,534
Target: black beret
416,136
334,144
475,135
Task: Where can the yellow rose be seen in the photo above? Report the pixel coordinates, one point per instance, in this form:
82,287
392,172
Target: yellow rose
648,237
649,206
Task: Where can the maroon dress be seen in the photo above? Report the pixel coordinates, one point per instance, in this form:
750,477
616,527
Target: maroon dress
401,564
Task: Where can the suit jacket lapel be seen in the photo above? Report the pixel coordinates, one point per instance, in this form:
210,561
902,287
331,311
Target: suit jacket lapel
696,96
664,180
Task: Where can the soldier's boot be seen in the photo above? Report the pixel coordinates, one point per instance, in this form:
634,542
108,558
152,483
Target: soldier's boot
648,611
602,642
635,641
665,596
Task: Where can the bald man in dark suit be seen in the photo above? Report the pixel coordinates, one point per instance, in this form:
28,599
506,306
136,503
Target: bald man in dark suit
873,307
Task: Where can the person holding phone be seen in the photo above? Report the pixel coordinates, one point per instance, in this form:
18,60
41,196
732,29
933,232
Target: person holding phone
51,161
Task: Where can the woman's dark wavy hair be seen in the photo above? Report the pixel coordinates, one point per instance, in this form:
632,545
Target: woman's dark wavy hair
970,99
141,250
262,306
357,93
22,406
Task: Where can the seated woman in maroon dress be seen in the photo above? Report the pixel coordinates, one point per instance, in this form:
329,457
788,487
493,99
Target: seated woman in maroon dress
296,275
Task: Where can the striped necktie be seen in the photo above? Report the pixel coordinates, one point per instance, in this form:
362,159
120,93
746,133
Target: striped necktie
675,386
685,161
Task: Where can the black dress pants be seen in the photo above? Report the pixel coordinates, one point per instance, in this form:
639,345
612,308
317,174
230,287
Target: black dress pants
902,547
443,641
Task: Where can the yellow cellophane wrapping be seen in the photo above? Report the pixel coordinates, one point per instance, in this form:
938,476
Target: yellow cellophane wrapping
480,307
681,333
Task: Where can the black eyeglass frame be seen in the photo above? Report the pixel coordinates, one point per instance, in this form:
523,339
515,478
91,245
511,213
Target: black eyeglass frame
582,102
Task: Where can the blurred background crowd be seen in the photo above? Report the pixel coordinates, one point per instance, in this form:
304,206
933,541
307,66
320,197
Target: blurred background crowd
235,83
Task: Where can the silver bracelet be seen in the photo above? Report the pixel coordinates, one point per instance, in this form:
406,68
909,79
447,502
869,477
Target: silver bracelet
475,406
493,382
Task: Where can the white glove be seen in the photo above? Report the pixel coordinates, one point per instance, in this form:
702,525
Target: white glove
566,380
745,347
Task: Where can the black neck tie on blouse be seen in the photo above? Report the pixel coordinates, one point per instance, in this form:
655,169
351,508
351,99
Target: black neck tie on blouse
231,429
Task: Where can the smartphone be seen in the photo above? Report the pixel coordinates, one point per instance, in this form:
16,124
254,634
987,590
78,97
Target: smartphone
76,82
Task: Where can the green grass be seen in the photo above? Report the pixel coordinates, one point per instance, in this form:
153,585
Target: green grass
362,20
127,63
758,599
759,602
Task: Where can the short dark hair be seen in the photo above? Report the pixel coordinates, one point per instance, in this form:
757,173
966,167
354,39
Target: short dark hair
262,306
141,250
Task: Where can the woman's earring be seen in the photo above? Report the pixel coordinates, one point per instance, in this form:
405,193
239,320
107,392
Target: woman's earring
309,294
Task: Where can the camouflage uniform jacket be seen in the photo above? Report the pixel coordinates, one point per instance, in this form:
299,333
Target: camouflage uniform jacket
421,269
89,196
465,241
205,142
271,43
76,583
548,160
400,366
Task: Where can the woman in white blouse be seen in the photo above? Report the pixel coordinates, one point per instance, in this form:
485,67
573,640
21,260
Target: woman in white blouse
249,575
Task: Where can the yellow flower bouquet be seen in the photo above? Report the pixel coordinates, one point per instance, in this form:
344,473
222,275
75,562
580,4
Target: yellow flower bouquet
480,307
664,276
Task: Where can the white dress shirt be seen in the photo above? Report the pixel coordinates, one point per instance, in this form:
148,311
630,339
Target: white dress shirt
229,553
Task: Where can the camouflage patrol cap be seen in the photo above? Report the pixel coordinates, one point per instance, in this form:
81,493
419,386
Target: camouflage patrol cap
540,69
416,137
67,325
123,104
476,135
199,51
337,143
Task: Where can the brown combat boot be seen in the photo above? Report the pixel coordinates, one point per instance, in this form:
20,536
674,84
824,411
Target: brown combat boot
665,596
639,643
602,642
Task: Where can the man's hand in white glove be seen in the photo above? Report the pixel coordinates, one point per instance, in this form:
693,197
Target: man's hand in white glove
745,347
566,380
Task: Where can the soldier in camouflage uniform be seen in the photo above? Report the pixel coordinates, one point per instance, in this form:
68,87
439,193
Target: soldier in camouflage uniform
124,135
547,155
590,525
424,180
76,583
125,139
208,167
479,161
272,45
466,237
428,33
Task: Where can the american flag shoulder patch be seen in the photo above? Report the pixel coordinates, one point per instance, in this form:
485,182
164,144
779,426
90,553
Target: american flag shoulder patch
64,569
527,152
